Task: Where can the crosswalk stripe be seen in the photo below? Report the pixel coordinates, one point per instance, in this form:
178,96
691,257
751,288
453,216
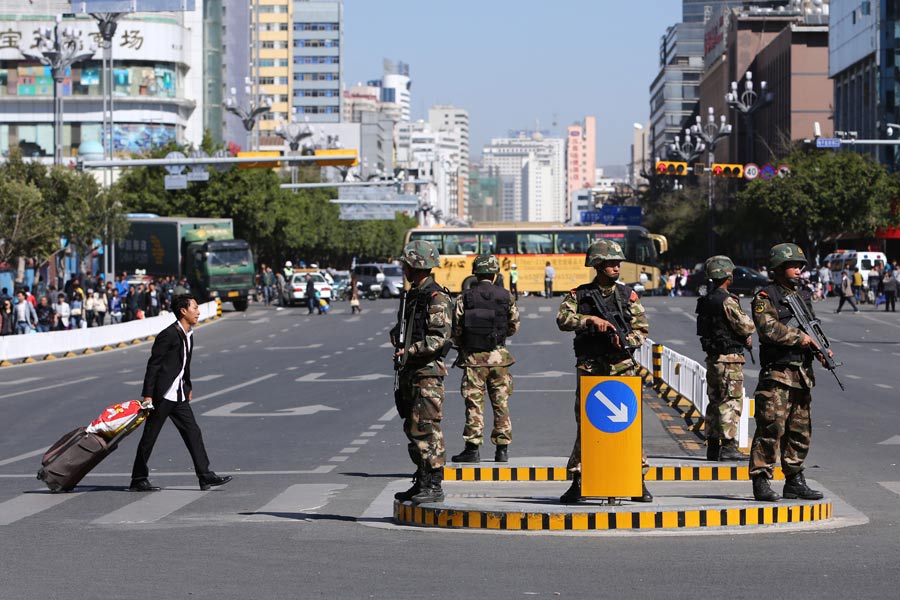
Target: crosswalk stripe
26,505
294,500
152,507
893,486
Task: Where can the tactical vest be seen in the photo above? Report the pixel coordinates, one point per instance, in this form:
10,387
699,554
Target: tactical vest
776,354
590,344
417,301
716,336
485,318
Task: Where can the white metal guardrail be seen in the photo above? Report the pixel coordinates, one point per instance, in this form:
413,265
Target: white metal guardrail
59,343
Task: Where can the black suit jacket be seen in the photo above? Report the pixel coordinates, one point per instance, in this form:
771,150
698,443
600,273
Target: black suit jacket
165,362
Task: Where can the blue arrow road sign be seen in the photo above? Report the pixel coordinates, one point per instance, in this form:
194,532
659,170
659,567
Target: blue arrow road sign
611,406
831,143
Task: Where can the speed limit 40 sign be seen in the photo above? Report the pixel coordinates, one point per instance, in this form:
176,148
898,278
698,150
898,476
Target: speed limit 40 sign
751,171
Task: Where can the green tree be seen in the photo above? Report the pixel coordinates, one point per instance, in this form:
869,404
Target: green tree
825,194
28,228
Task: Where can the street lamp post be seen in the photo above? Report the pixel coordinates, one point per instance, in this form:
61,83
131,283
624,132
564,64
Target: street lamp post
689,148
249,115
747,102
294,133
711,132
58,49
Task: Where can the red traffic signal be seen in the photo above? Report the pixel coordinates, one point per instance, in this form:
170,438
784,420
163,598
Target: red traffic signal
727,170
678,169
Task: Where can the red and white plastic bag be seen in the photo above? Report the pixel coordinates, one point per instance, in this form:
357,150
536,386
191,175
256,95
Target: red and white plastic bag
116,417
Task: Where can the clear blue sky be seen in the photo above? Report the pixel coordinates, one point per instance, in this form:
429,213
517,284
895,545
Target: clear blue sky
512,63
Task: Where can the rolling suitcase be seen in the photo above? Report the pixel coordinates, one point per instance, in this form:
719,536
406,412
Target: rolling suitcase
76,453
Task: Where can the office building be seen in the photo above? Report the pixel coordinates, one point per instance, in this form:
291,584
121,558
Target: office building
581,159
317,40
455,121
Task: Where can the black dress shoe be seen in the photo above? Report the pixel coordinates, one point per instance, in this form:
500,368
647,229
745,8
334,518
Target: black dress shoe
213,481
143,486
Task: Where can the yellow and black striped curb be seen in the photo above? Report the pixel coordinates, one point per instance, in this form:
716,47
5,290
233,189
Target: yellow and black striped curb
70,354
407,513
654,473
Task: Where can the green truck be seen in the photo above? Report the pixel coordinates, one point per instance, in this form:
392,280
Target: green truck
203,250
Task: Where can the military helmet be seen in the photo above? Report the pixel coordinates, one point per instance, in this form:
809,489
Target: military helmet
603,250
420,254
485,264
719,267
785,253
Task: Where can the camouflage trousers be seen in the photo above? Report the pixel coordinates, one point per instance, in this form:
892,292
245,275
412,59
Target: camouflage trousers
725,390
423,427
496,383
574,463
783,426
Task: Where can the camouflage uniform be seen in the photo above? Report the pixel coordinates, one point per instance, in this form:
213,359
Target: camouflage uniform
568,319
485,371
422,380
782,396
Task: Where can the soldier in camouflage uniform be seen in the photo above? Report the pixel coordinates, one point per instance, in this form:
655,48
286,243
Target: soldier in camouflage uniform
724,330
786,379
597,352
420,396
485,316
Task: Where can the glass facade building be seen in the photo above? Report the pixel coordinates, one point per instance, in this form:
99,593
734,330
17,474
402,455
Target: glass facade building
316,56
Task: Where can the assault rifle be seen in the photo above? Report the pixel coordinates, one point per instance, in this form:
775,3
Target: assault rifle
399,361
813,328
621,327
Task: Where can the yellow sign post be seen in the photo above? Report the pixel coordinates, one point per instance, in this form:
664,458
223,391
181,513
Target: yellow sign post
611,444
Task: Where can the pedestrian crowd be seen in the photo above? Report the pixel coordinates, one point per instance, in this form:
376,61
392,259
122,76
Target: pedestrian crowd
86,301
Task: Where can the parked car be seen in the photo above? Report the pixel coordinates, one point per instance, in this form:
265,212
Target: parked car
295,293
746,282
392,283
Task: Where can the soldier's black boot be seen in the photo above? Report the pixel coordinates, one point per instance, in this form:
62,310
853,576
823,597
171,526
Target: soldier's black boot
645,496
469,455
415,489
712,449
729,452
795,487
501,454
431,487
573,494
762,491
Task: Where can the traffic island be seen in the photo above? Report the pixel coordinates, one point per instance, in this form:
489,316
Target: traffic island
677,505
554,469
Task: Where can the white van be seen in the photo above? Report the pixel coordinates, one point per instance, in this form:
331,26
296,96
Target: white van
851,259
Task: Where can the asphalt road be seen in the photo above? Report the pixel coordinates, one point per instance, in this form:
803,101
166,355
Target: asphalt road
299,409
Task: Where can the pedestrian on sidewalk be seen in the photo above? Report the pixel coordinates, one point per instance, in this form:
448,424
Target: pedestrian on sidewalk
168,390
724,330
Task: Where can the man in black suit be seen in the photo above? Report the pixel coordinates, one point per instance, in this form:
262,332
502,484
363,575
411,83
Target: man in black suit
167,387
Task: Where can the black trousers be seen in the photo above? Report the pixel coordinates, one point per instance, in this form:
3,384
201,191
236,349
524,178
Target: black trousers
183,417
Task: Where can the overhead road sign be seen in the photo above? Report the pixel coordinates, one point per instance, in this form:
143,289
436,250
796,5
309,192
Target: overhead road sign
130,6
829,143
337,158
611,444
613,215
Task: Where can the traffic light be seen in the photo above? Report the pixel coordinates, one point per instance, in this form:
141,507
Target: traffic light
678,169
726,170
699,169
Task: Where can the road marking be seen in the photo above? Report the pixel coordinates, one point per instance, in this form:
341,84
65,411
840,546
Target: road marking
258,321
271,335
228,410
25,505
384,345
206,377
307,347
532,316
389,415
48,387
884,386
309,362
875,349
338,458
134,382
153,506
349,450
257,341
893,486
317,377
242,346
124,370
359,442
322,470
295,500
541,343
677,342
544,374
852,345
891,441
292,368
545,308
387,311
232,388
32,454
367,434
853,377
17,381
378,425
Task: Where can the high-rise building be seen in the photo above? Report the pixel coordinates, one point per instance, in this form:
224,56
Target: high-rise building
432,154
158,83
453,120
485,194
395,90
236,70
581,159
317,42
508,156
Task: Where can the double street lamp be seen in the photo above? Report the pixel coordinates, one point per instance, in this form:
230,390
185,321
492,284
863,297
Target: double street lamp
747,102
58,49
248,116
294,133
711,133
